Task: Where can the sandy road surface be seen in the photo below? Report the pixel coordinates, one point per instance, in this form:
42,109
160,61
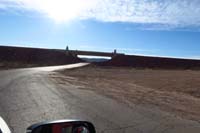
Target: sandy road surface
30,95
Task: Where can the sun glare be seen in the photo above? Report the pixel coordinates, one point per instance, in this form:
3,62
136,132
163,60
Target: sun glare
65,10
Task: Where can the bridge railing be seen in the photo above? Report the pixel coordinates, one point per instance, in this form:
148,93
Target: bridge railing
93,53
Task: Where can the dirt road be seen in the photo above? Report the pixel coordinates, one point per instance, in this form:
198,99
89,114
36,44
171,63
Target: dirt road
33,95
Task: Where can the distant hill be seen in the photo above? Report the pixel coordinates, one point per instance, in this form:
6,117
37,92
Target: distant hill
12,57
151,62
28,57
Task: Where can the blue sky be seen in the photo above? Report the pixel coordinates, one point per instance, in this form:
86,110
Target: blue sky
145,27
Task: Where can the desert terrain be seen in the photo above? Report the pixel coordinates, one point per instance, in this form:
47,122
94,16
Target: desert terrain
24,57
125,94
174,91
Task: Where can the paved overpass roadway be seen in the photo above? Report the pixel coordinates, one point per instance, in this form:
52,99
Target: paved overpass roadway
94,53
30,95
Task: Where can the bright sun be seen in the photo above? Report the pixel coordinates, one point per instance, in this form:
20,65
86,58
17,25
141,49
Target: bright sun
64,10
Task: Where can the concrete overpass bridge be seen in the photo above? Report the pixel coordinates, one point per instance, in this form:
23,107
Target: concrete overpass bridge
93,53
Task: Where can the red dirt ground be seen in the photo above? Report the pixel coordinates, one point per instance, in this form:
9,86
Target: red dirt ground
174,91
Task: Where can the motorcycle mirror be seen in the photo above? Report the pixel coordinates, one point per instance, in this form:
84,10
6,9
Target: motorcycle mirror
62,126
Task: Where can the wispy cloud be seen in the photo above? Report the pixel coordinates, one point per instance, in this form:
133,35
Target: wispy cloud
173,13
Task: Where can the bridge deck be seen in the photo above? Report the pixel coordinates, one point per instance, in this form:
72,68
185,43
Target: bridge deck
94,53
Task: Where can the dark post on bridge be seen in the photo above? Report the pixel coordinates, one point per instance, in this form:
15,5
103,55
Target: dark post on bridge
67,50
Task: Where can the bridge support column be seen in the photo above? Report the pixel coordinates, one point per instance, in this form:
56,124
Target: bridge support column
68,53
114,53
74,54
